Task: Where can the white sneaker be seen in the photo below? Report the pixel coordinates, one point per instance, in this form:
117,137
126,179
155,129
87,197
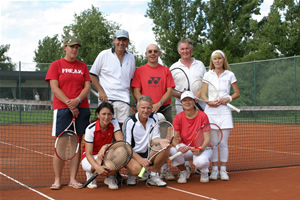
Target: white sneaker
145,176
131,180
182,177
111,182
214,174
156,180
166,174
188,171
92,184
204,178
224,176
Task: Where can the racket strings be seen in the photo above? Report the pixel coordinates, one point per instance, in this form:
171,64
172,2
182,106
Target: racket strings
67,145
117,156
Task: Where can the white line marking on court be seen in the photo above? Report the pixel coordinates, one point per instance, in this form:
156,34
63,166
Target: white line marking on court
27,186
26,149
198,195
282,152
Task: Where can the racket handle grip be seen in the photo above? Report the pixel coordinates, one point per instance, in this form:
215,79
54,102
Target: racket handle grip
90,180
142,172
175,155
233,107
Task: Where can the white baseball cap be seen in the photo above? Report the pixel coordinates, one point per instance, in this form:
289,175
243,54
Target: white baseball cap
121,33
187,94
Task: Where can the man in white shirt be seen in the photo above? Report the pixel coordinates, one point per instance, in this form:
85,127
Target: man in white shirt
135,130
114,68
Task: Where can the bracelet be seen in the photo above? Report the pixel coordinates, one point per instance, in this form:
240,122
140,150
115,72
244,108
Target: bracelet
78,99
230,98
161,103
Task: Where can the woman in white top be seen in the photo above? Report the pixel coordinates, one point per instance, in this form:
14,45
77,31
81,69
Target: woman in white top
221,76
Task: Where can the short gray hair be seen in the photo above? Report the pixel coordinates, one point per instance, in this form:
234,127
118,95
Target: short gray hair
186,40
144,98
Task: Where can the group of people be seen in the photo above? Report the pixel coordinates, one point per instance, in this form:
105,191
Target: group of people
114,75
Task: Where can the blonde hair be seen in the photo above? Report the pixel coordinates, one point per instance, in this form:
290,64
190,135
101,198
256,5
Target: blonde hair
221,53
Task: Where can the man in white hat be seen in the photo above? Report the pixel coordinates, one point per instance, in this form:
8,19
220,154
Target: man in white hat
186,124
114,68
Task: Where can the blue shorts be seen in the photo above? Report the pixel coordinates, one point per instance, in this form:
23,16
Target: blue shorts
63,117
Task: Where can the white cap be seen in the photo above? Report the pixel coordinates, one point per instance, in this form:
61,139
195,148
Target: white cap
122,33
160,116
187,94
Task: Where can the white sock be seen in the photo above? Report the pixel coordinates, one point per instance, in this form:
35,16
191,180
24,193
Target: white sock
223,168
153,173
215,168
164,167
187,163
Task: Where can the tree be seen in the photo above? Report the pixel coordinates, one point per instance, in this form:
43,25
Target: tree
49,49
176,19
5,61
229,24
289,45
94,32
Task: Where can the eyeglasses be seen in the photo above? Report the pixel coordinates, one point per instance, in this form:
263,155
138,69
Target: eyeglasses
154,51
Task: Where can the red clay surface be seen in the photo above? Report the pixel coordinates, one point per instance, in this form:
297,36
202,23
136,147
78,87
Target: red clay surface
275,184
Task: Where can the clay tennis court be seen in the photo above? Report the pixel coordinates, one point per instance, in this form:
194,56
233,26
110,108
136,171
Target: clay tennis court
26,162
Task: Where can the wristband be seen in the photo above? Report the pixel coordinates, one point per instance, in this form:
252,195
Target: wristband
78,99
161,103
230,98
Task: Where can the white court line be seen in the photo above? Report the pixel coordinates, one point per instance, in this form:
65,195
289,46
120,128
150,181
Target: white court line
282,152
27,186
26,149
198,195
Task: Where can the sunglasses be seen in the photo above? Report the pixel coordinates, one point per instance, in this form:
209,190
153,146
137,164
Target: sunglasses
154,51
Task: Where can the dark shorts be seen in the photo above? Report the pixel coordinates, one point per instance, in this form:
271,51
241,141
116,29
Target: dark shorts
167,112
145,155
63,117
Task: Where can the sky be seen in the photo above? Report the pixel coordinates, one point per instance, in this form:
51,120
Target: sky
24,23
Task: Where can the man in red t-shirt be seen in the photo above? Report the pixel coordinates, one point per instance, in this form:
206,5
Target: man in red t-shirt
156,81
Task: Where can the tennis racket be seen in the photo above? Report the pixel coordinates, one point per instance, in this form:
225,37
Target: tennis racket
67,143
159,139
116,156
211,92
198,138
182,82
131,108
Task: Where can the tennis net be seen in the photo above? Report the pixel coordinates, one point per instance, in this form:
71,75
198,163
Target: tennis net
263,137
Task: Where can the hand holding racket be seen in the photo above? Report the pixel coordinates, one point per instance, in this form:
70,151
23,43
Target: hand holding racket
116,156
209,93
67,143
198,139
159,139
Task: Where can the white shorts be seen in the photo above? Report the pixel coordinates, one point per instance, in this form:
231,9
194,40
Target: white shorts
201,162
86,166
122,111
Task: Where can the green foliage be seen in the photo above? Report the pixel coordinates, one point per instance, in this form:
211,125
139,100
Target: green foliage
176,19
49,49
5,61
94,32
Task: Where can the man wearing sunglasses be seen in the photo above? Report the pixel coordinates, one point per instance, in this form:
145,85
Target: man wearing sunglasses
156,81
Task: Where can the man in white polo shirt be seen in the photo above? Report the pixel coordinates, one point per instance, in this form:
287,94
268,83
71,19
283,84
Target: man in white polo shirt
135,130
114,68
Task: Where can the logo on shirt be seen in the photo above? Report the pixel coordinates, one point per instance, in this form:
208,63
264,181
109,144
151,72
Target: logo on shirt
72,71
154,80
